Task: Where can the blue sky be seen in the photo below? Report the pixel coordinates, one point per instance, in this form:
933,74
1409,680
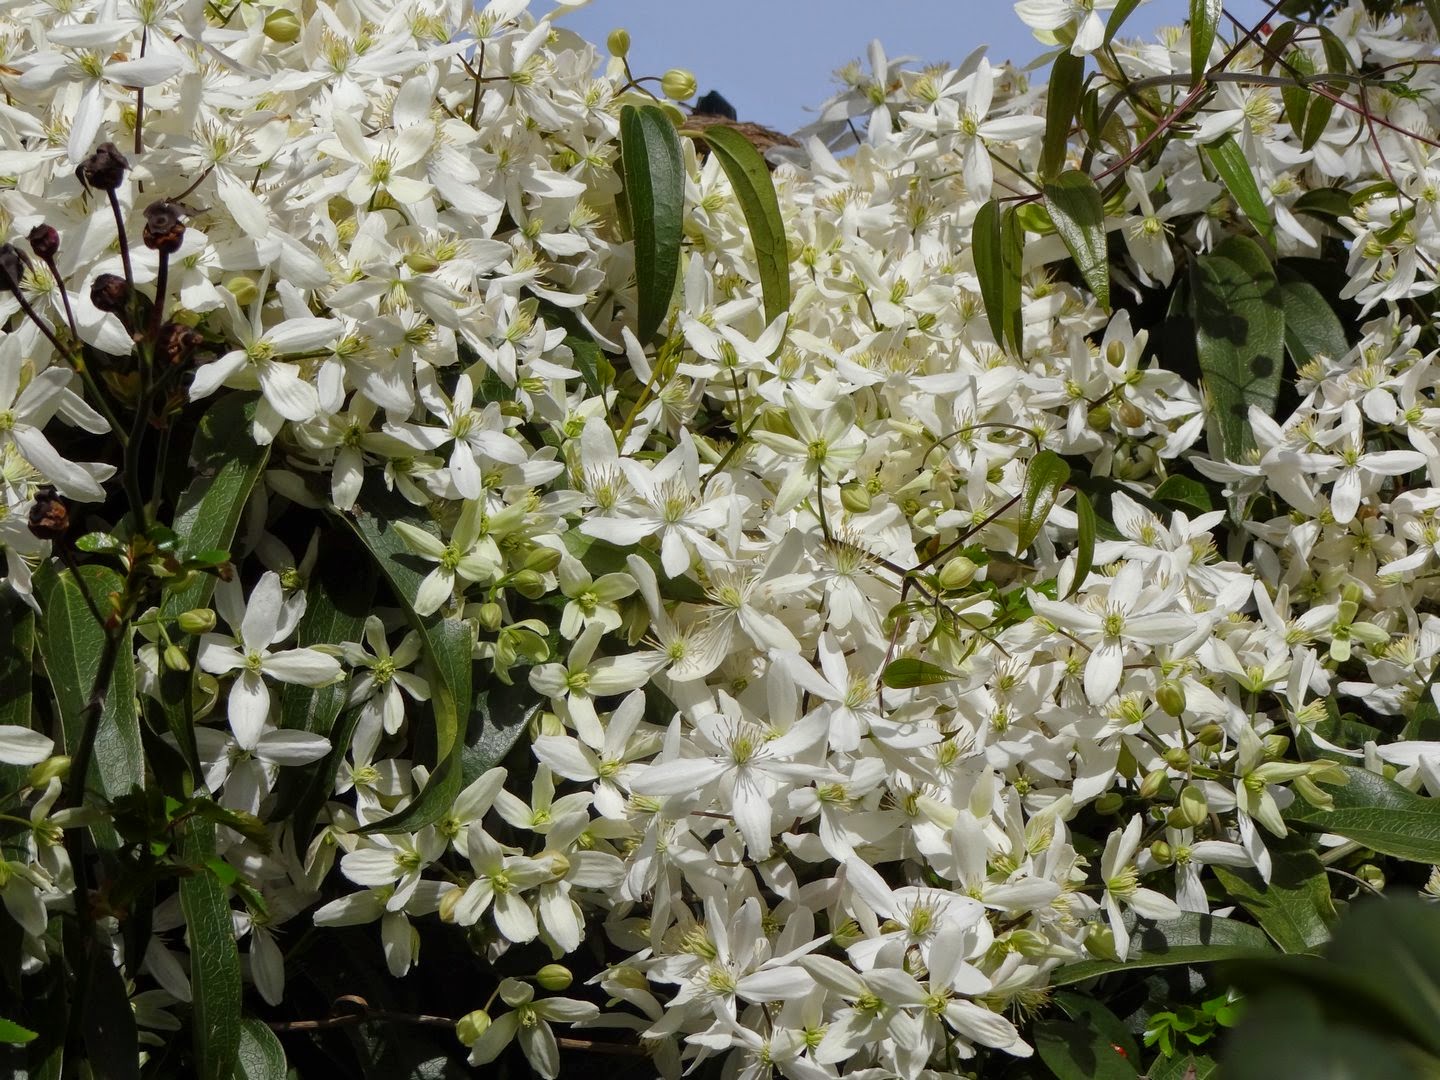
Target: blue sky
773,58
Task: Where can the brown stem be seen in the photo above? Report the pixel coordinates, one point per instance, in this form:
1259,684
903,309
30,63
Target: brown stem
124,241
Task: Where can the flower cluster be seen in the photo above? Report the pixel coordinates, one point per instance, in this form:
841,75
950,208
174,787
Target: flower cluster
832,753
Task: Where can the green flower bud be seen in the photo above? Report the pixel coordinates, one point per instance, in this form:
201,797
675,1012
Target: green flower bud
957,573
1100,942
197,621
618,42
550,724
1162,853
1115,353
1170,696
1099,418
1190,809
1130,414
448,903
1125,763
855,498
528,584
1177,757
1372,875
1109,803
471,1026
1153,783
490,616
1275,746
42,772
422,263
678,84
283,26
175,658
542,560
554,977
243,289
1210,735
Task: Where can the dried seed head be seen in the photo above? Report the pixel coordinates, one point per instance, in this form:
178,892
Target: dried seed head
163,228
104,169
44,241
50,515
13,264
110,292
177,342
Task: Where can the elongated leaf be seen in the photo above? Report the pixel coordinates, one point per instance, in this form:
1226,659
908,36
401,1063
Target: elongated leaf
1229,161
1186,493
1084,1009
1239,329
1061,97
1311,326
1204,17
1295,96
1378,813
261,1057
1074,1051
497,720
998,241
1294,907
755,191
108,1020
71,643
17,677
1433,8
16,1034
655,193
908,672
1012,260
589,361
1190,939
214,960
445,643
1121,12
339,596
1079,216
1085,545
1046,475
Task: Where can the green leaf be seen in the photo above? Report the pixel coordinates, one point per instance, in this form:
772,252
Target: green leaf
1288,1035
1395,946
1295,907
1239,329
1204,17
1296,96
655,194
1433,8
339,596
589,361
446,645
603,557
1084,1009
998,247
1046,475
17,677
1311,326
71,643
261,1057
1085,544
1229,161
1118,16
107,1018
1079,216
503,713
1190,939
907,673
755,191
1077,1052
1061,97
1188,1067
15,1034
1378,813
1186,493
214,959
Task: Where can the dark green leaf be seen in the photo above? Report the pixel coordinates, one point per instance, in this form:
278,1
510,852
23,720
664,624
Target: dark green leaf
1311,326
1204,17
750,180
339,597
1239,326
1085,1010
907,673
1424,721
1327,203
1185,1067
1377,813
1229,161
1079,216
1061,97
998,242
445,643
655,193
1117,18
15,1034
589,361
1077,1052
17,676
1396,946
1294,908
214,959
261,1057
108,1020
603,557
1184,492
71,643
1085,543
1190,939
1044,478
1295,96
497,721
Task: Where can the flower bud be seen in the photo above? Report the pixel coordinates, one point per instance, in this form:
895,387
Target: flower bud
282,25
103,170
1275,746
448,903
542,560
550,724
197,621
1211,735
559,864
1109,803
243,288
1191,809
1162,853
1153,783
175,658
1125,763
49,514
1099,418
41,773
471,1026
678,84
855,498
1372,875
110,292
618,42
554,977
1177,757
957,573
44,241
490,616
1131,414
1100,942
164,231
528,584
13,265
1170,696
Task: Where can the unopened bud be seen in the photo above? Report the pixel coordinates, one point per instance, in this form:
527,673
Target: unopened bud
855,498
490,616
110,293
618,42
471,1026
1190,810
448,903
282,26
1115,353
1100,942
104,170
1109,803
1372,875
1162,853
13,265
1153,783
1170,696
421,262
549,724
1131,414
175,658
42,772
1125,763
1210,735
243,288
554,977
164,231
44,241
528,584
678,84
1177,757
197,621
1099,418
1275,746
957,573
542,560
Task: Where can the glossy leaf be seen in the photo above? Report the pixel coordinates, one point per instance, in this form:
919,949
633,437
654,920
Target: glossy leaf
1061,96
214,959
1294,907
1204,18
260,1056
1044,478
16,1034
1086,1010
1190,939
1121,12
108,1021
497,720
755,191
17,676
655,194
1234,170
1239,325
1378,813
1311,326
1085,542
998,249
1074,1051
1079,216
908,673
1186,493
338,597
